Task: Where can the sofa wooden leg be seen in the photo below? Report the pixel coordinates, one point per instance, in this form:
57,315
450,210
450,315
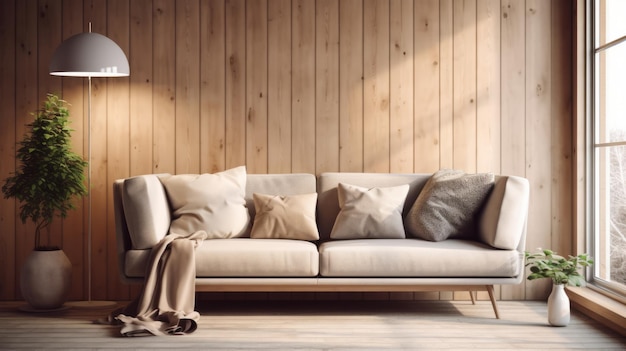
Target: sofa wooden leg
492,297
472,297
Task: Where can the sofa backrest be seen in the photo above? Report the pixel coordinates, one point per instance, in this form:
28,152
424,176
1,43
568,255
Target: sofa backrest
502,223
277,184
328,202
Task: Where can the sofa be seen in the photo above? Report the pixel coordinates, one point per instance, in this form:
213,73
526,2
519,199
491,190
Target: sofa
352,258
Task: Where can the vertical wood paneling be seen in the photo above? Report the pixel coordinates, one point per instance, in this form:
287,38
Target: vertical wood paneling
376,86
488,86
327,86
513,79
401,88
235,83
164,86
48,37
140,61
279,112
351,86
8,135
256,86
119,152
538,143
562,125
464,75
426,82
213,88
299,86
303,99
96,13
187,86
73,92
446,85
26,102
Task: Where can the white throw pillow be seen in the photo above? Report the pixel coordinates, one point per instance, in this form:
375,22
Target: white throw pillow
145,210
370,213
448,205
285,217
213,203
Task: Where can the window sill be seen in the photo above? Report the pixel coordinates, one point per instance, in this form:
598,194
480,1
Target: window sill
599,307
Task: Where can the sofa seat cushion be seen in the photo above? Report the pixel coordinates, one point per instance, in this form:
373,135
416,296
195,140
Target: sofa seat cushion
243,257
416,258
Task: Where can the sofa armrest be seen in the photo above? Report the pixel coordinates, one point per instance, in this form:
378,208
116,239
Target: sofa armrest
122,236
502,223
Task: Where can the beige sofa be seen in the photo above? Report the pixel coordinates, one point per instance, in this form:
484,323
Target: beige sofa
495,257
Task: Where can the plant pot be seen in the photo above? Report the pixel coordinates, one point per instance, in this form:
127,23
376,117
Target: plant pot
46,279
558,306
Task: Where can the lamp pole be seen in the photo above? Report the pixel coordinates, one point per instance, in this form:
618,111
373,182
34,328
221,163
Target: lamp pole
89,55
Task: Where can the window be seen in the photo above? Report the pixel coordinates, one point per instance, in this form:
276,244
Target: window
608,140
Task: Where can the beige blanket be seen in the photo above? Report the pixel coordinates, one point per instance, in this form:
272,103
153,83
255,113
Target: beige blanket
166,303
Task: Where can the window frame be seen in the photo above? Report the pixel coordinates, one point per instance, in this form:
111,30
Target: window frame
595,147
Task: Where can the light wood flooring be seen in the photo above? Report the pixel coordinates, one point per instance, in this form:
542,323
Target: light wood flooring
321,325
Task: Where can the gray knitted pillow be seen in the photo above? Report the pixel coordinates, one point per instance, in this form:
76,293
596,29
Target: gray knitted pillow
448,205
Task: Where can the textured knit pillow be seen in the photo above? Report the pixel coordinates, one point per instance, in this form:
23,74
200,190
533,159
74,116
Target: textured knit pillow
285,217
369,213
448,205
211,202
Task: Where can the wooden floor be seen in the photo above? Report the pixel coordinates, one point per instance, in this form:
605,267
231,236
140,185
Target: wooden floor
319,325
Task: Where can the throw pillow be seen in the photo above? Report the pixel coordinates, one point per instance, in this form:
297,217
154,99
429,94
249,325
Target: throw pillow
370,213
213,203
448,205
285,217
145,210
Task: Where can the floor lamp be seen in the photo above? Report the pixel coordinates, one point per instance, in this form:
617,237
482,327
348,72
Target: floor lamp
89,55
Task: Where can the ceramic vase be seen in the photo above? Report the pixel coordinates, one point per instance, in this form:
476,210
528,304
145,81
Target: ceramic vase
46,279
558,306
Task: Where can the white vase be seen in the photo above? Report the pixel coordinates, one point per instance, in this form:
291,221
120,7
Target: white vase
558,306
46,279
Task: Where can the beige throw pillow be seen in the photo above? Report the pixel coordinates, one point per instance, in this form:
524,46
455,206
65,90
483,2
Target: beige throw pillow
448,205
211,202
370,213
145,210
285,217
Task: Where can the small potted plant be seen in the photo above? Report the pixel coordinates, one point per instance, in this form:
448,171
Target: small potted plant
562,271
49,175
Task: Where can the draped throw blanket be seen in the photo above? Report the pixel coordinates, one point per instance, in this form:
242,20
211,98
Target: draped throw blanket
166,303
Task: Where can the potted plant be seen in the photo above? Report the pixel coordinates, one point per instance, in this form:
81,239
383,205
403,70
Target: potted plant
562,271
49,175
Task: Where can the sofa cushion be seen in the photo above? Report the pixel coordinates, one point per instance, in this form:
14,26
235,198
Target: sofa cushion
503,220
328,202
448,205
285,217
370,213
416,258
146,210
283,184
210,202
243,257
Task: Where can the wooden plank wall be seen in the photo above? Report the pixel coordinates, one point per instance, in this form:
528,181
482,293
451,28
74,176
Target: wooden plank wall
298,86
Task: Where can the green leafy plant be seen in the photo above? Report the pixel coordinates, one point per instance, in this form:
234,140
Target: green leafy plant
49,174
547,264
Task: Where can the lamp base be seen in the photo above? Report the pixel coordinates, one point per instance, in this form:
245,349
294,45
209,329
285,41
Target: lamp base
92,304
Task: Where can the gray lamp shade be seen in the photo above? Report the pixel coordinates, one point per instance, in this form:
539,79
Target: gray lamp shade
89,55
